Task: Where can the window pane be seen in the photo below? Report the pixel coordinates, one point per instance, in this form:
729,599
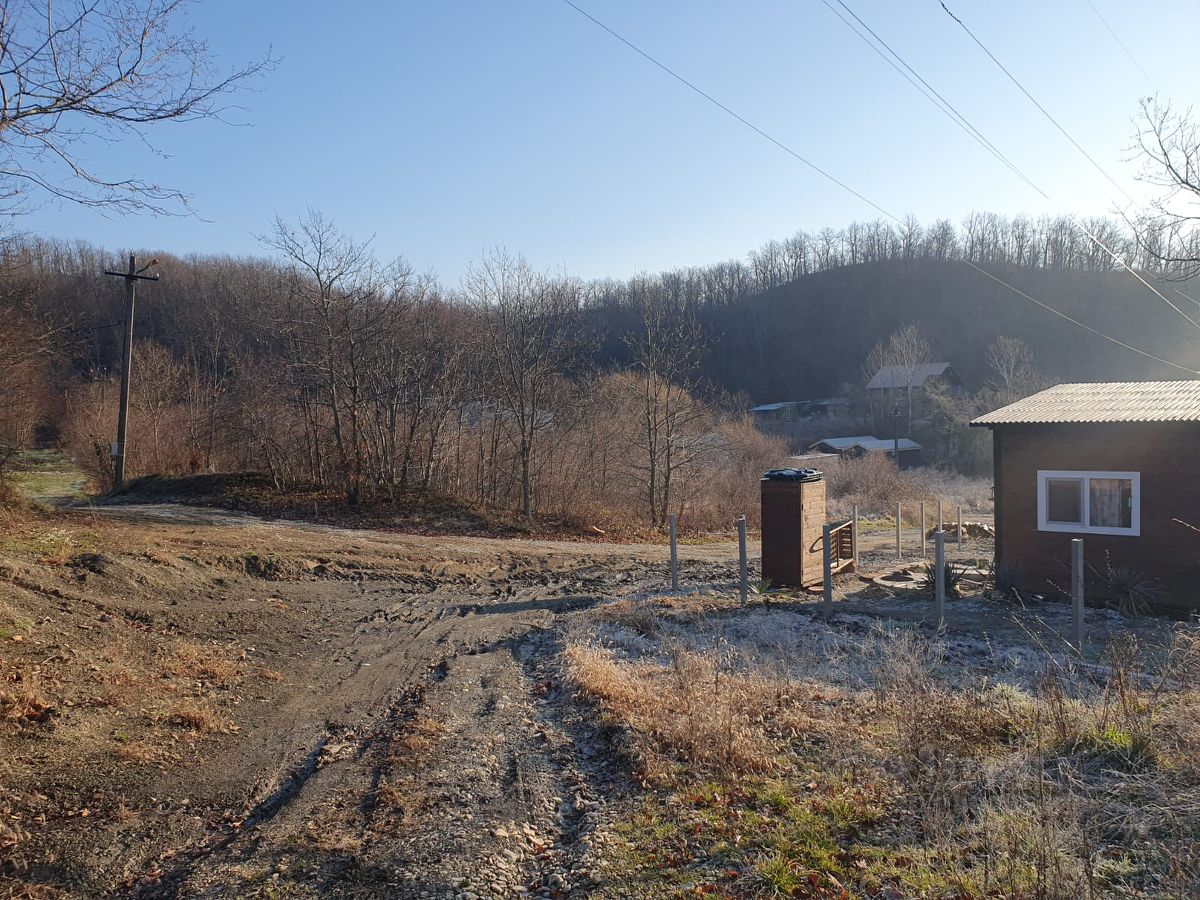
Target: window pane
1064,500
1109,502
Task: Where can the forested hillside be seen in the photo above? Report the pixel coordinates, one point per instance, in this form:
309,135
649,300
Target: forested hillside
317,362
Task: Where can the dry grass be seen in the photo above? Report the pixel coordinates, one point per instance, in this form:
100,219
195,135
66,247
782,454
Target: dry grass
200,717
876,485
21,697
882,763
695,711
188,659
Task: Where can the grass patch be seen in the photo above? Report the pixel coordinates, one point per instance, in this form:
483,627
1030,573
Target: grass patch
832,764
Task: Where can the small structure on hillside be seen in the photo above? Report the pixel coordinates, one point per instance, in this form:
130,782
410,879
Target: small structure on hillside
892,385
794,410
1113,463
861,445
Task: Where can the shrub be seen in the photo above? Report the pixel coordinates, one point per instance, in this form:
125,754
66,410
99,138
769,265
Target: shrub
1133,591
954,575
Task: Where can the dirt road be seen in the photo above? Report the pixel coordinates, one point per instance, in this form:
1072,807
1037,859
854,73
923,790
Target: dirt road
230,707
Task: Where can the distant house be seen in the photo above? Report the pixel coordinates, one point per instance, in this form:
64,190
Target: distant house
773,413
860,445
793,410
1111,463
891,386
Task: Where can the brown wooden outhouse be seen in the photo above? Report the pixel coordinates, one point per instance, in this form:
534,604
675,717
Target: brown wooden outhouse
1117,464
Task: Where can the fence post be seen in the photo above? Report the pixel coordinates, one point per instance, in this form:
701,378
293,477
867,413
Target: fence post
899,552
922,505
742,566
939,577
939,521
854,536
674,555
827,568
960,530
1077,591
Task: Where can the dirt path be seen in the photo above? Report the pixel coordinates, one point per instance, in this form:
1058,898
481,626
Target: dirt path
228,706
413,739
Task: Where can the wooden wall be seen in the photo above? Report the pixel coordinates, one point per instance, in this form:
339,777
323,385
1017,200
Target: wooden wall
1168,457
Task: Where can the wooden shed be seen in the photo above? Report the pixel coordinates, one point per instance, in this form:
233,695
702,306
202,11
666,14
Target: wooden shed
1117,464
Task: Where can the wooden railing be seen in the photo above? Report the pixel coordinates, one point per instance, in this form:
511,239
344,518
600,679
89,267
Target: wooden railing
841,545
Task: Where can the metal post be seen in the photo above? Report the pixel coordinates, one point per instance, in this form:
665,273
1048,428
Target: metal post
132,277
127,362
899,551
827,568
923,541
939,522
674,555
854,533
1077,590
939,577
960,530
744,572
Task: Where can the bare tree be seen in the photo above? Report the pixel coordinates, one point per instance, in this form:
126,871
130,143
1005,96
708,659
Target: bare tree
1167,232
340,300
666,350
85,70
1011,362
903,353
529,339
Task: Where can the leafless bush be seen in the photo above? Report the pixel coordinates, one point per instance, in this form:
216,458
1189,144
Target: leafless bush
876,485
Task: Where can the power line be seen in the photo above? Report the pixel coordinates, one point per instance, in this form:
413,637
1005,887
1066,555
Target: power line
924,87
975,133
965,123
1116,37
717,103
1013,78
1076,322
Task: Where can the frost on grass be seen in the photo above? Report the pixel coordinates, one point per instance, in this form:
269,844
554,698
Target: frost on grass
782,755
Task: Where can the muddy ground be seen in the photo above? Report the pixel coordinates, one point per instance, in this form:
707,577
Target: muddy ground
201,703
215,705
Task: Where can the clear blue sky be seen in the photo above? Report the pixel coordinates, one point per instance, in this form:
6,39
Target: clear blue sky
443,127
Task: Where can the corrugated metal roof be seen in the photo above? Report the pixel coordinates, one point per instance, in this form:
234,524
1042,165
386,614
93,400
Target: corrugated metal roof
772,407
888,444
1112,401
867,442
844,443
898,376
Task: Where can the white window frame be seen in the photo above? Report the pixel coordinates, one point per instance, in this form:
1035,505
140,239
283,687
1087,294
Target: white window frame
1135,517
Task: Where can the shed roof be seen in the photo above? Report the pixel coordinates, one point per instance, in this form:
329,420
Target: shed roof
868,443
889,444
772,407
845,443
898,376
1111,401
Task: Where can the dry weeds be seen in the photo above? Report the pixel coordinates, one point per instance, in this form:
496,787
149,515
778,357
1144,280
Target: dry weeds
888,764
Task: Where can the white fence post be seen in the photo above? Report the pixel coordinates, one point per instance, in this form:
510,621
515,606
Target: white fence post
899,551
939,578
854,529
742,564
960,530
674,555
939,521
1077,590
922,505
827,568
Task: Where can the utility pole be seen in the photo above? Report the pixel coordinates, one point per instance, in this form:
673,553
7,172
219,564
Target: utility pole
896,435
132,277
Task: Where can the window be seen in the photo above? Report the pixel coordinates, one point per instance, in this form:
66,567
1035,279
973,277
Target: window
1089,502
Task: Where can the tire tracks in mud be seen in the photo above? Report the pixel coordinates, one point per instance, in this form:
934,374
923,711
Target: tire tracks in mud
472,774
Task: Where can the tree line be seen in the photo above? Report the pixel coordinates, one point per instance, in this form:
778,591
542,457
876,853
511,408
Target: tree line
319,363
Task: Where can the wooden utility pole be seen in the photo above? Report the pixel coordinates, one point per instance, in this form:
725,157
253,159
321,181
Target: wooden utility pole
132,277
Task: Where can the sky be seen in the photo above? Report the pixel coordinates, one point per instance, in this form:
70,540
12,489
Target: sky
442,128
